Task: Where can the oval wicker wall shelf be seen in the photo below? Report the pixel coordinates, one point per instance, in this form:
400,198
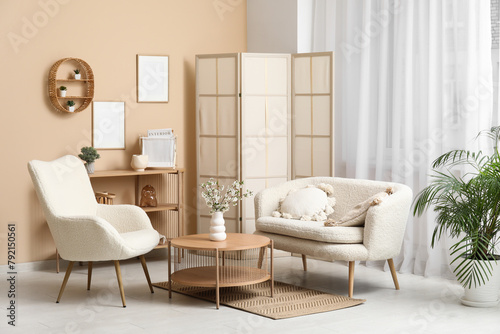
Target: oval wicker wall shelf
87,80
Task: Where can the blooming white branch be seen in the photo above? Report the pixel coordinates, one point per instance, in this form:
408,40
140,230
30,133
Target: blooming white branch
217,200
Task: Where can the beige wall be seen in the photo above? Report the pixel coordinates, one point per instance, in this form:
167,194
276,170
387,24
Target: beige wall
107,35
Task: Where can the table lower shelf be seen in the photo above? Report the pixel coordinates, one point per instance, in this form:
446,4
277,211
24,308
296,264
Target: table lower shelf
228,276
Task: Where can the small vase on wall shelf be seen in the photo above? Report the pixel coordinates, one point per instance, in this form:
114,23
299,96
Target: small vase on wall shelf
62,91
217,227
78,76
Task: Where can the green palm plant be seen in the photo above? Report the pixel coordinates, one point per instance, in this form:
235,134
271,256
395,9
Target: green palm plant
468,208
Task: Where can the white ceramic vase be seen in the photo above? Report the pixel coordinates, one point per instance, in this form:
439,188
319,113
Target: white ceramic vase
78,76
139,162
62,93
217,228
71,109
485,295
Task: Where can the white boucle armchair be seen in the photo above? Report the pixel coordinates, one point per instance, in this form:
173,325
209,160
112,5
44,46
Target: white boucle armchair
379,239
84,230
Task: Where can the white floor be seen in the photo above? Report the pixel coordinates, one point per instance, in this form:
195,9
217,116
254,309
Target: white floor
423,305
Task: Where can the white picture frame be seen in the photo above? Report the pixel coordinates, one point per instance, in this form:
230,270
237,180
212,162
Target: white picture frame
108,125
152,79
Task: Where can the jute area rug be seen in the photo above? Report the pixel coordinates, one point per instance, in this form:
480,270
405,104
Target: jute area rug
289,301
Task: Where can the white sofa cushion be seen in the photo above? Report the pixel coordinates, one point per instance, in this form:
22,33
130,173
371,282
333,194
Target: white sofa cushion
315,202
138,242
304,202
322,250
311,230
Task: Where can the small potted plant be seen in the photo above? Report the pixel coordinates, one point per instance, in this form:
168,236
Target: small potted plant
71,105
78,76
89,155
62,91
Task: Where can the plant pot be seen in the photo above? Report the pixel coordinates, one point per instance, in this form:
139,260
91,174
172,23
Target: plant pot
62,93
217,228
78,76
71,109
485,295
90,167
139,162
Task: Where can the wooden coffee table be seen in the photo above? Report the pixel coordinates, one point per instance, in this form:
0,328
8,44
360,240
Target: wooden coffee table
239,260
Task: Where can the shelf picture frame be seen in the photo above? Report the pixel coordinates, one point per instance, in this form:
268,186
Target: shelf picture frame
152,79
108,125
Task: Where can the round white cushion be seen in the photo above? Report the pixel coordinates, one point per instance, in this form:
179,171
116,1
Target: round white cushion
304,202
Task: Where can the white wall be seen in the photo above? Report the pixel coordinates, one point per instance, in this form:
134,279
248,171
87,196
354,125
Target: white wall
272,26
304,25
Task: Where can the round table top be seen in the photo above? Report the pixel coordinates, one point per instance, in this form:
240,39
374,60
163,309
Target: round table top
233,242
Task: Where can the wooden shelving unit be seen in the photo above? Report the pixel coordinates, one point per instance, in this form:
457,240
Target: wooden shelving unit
87,81
73,97
74,80
178,206
161,207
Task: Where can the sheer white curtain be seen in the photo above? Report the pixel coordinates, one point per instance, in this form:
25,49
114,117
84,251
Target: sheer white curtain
413,80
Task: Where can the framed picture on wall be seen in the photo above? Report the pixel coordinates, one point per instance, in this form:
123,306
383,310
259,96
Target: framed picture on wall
108,125
152,78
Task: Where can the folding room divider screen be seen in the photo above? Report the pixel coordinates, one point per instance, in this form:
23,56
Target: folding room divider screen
312,115
248,127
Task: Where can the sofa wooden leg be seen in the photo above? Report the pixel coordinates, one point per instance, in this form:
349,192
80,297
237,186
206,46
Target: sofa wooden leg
120,283
393,273
89,276
351,278
146,272
304,262
66,276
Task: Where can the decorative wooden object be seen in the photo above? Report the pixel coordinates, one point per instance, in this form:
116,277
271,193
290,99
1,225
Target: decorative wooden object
104,197
87,80
236,261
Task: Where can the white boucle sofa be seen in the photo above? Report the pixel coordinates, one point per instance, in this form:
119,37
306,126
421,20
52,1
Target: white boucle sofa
379,239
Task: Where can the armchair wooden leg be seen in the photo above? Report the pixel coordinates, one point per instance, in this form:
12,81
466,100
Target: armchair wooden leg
89,278
393,273
304,262
120,283
66,276
351,278
146,272
57,261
